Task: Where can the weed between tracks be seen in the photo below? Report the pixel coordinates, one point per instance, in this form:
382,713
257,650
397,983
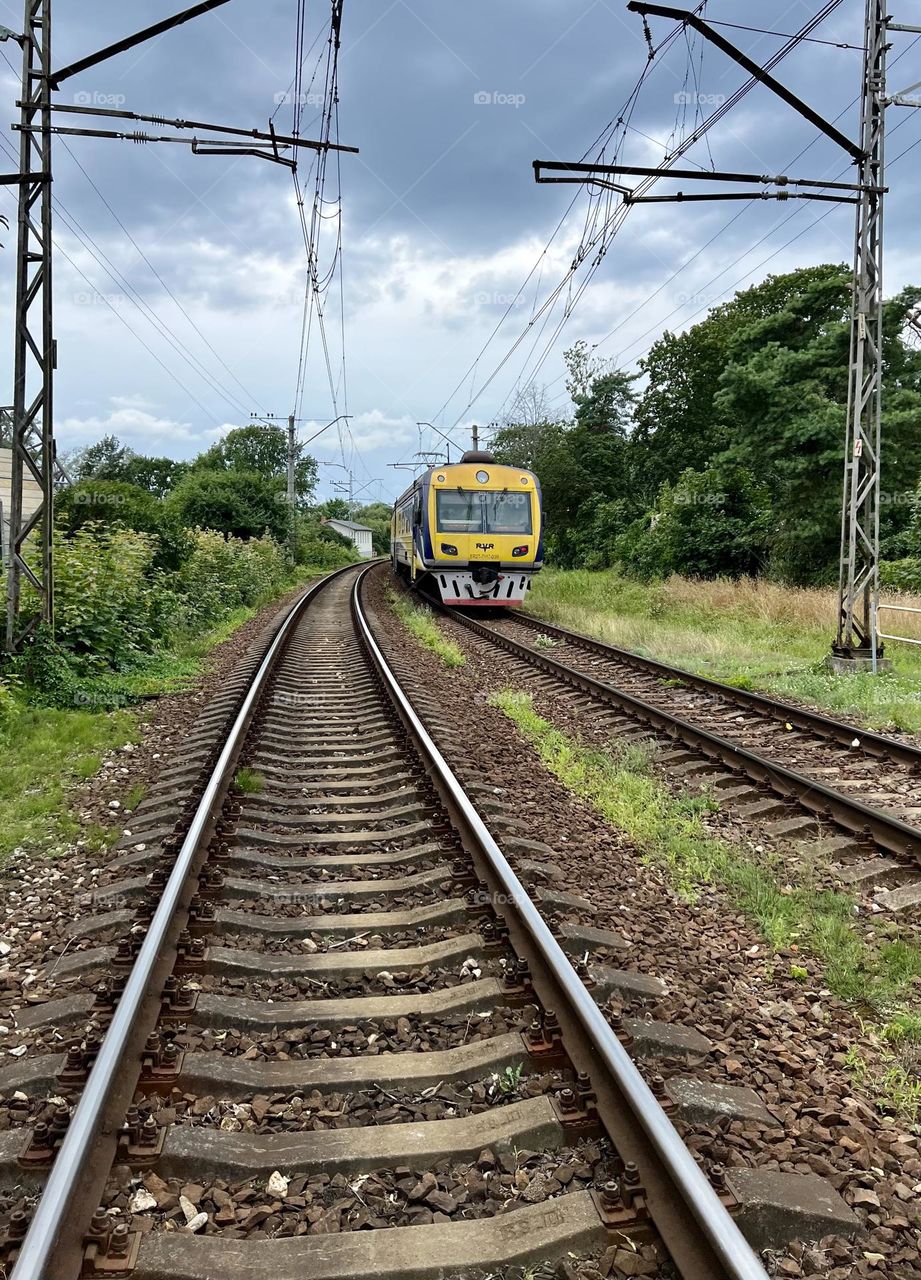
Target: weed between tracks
134,796
418,621
248,782
879,973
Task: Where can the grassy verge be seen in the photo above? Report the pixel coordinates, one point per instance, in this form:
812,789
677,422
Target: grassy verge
754,634
176,670
45,752
418,621
53,751
878,972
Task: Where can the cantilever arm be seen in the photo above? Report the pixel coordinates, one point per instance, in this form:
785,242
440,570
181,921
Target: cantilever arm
130,42
753,69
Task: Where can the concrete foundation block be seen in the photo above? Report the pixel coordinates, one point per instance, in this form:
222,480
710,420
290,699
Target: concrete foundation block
703,1101
775,1208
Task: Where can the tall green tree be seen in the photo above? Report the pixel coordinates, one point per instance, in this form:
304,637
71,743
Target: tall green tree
107,459
679,421
334,509
580,464
242,503
732,460
785,390
157,475
261,448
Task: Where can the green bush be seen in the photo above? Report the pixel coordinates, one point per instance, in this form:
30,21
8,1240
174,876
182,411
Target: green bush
224,574
49,671
641,551
111,608
117,503
115,611
321,547
118,613
601,523
241,504
709,524
901,575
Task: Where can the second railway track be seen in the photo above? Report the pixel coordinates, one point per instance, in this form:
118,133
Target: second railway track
320,1028
832,776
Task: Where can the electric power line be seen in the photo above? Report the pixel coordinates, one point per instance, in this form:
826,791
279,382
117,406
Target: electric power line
96,252
252,399
600,240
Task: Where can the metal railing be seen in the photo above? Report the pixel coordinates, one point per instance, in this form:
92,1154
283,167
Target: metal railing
897,608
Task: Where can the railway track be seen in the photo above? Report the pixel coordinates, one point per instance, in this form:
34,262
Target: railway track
315,1024
803,773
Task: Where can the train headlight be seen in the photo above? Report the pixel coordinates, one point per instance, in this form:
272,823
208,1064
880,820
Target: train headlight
521,551
482,477
448,550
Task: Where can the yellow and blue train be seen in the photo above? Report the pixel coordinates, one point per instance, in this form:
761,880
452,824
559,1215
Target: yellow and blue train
473,530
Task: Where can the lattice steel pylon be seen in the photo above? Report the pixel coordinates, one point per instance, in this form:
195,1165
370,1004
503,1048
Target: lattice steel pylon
33,431
858,595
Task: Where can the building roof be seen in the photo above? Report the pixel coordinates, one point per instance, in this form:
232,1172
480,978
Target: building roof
350,524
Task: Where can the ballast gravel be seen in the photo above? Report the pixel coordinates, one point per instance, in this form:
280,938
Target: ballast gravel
385,983
357,942
364,1038
320,1204
312,1111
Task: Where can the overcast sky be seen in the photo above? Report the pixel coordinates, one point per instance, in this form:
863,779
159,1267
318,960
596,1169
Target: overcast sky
442,221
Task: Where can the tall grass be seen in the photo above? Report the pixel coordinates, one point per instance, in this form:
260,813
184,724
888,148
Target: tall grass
54,750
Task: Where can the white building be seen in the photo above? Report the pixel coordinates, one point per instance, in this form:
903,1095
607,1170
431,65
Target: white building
359,534
31,497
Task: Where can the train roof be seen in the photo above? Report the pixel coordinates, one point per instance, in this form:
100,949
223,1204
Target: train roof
473,457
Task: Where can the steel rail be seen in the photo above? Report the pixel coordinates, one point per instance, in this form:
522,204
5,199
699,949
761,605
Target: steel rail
731,1249
825,802
875,744
72,1159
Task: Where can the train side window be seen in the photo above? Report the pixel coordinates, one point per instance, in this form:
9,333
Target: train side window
417,510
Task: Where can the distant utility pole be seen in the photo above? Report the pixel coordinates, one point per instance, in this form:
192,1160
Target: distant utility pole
350,488
35,358
292,496
291,469
856,646
475,432
353,492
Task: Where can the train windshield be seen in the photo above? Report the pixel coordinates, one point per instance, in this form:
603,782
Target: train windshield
470,511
